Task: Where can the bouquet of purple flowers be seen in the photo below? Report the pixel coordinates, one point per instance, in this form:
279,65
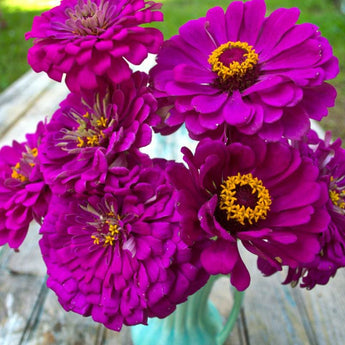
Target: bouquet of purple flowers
126,236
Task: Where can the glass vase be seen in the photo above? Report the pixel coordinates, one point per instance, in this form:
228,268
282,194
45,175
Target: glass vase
194,322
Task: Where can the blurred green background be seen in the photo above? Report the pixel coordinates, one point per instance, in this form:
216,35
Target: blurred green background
16,19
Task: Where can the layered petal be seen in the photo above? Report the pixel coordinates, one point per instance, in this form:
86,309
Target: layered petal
118,257
266,195
239,69
88,41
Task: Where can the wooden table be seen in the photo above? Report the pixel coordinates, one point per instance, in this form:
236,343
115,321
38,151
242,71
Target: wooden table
272,314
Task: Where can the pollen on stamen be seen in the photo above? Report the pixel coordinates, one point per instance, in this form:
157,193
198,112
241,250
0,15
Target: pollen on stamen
237,64
34,152
17,175
81,142
20,171
90,18
108,230
102,122
337,195
92,140
95,239
244,199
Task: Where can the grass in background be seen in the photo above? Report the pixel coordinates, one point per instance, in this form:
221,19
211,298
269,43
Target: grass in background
18,15
15,19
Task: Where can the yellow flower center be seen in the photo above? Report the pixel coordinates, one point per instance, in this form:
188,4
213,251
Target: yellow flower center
22,169
108,231
92,135
337,195
17,175
90,18
244,199
233,59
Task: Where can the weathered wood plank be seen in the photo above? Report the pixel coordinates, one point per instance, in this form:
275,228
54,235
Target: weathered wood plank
20,97
28,259
323,311
271,312
279,314
26,119
18,296
56,326
22,289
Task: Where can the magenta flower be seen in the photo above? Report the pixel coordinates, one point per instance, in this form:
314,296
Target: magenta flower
241,69
330,158
23,194
88,133
264,195
118,256
92,40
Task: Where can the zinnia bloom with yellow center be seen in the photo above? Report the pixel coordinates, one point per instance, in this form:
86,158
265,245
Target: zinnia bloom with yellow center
118,257
238,68
24,196
264,195
92,132
92,40
330,158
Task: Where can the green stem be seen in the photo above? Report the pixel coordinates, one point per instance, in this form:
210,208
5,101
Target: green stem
230,323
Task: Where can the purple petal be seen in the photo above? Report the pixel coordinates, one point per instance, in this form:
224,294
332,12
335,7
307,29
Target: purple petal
220,257
267,82
318,99
279,96
215,18
272,131
235,111
240,277
295,36
190,74
101,63
209,103
291,217
296,122
274,27
272,114
180,89
295,199
194,32
256,121
233,19
211,121
254,14
303,55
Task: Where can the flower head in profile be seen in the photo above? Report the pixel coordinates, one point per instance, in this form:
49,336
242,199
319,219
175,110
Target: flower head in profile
330,158
92,40
118,257
264,195
92,132
23,194
241,69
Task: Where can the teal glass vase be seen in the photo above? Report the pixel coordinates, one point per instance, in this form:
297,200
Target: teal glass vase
194,322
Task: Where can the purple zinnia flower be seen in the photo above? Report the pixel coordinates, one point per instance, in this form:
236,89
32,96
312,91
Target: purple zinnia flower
264,195
92,40
118,256
241,69
91,133
23,194
330,158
